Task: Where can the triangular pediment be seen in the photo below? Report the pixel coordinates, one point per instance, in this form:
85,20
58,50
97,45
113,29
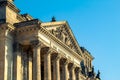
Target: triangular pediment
63,32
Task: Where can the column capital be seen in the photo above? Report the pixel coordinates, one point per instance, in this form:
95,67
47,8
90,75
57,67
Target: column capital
77,70
72,66
49,50
36,43
66,62
57,57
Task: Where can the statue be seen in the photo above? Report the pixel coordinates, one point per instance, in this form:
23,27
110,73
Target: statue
98,75
93,70
53,19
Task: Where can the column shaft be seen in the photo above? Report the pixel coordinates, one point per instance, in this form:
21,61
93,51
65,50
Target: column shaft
25,66
36,64
78,74
30,68
65,71
17,69
56,69
47,66
72,73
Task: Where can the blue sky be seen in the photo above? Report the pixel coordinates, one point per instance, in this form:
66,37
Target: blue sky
95,24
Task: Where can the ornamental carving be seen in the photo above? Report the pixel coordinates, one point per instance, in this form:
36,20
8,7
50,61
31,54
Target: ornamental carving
62,34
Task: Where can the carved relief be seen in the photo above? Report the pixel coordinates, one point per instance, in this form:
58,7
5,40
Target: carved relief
61,33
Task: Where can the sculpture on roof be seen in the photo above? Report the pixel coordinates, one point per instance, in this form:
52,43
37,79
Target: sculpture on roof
53,19
98,75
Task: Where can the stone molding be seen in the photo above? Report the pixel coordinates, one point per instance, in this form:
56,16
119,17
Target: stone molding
27,23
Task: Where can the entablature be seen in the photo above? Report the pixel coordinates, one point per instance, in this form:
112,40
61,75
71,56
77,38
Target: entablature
27,23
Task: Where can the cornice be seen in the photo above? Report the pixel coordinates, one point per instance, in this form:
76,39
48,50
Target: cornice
74,39
10,5
47,24
27,23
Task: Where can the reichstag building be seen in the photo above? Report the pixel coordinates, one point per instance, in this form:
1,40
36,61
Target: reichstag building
34,50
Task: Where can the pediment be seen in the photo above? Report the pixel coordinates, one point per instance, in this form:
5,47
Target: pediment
63,32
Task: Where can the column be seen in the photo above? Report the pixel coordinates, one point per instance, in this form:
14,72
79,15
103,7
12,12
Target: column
56,68
17,70
72,73
78,74
36,60
25,65
65,70
30,67
47,65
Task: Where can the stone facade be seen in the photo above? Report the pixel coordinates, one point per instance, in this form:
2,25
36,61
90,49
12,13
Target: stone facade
32,50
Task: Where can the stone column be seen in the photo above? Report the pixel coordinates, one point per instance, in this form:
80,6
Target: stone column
17,70
25,65
56,68
30,67
36,60
78,74
47,65
72,73
65,70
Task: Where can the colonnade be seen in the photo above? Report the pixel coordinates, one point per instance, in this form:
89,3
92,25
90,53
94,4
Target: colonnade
43,63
